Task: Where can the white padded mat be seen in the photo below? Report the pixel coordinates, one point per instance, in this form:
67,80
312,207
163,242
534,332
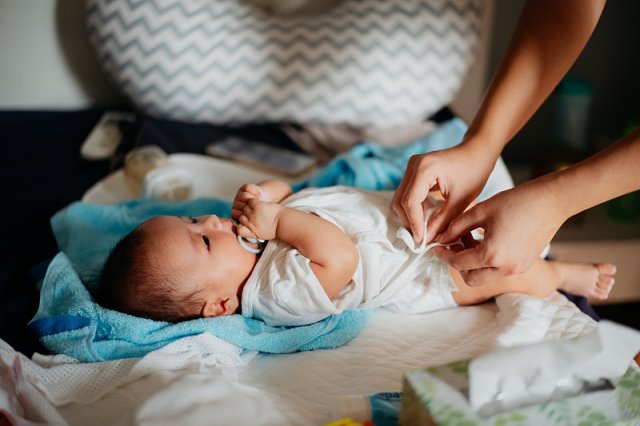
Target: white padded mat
198,379
203,380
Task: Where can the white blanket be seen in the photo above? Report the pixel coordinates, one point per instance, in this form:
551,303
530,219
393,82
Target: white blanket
203,380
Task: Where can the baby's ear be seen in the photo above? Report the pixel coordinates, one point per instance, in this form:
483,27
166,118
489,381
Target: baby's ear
214,308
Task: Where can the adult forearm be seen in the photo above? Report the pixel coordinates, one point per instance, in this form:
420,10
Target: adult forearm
548,38
609,174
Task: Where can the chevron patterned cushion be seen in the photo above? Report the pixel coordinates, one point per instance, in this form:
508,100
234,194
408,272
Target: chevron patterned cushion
370,63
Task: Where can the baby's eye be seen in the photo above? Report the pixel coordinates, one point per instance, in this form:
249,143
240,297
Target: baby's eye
193,220
206,240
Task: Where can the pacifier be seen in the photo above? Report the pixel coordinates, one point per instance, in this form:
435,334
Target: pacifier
252,245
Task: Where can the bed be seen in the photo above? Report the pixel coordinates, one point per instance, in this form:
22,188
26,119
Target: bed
202,379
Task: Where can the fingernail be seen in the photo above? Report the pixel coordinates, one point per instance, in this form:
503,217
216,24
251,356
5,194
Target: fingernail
428,237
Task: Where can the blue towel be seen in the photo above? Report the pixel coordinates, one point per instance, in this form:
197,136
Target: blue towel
69,321
375,167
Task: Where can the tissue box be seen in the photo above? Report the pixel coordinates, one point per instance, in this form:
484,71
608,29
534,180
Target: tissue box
440,396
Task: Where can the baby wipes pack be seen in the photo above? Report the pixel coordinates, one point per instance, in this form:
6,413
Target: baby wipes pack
586,380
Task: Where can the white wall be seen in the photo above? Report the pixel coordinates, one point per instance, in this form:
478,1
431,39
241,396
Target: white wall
48,63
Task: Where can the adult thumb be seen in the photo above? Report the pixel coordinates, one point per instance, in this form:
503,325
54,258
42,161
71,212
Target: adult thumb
441,220
462,224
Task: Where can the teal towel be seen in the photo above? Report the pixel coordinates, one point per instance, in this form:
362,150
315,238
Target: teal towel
68,321
375,167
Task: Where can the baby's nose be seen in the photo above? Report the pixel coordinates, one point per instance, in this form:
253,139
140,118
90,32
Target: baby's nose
212,220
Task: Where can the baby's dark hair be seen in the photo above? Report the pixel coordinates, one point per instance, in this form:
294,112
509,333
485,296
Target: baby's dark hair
130,284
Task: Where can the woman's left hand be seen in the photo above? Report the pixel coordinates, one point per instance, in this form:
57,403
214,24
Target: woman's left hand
518,224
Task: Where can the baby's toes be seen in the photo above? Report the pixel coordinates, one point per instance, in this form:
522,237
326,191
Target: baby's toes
607,269
598,294
603,287
605,282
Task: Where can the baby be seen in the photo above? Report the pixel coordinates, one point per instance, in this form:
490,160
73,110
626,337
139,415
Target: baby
328,250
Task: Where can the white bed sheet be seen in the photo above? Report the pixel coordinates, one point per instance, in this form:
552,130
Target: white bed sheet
203,380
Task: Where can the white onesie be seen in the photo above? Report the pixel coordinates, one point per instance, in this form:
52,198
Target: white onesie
392,272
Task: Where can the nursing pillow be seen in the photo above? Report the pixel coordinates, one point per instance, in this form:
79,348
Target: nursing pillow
367,63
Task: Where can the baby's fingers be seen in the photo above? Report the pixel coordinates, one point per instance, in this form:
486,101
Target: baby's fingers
236,212
243,231
245,196
253,189
244,223
250,187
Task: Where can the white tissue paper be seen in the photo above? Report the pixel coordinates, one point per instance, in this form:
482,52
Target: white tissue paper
439,271
521,376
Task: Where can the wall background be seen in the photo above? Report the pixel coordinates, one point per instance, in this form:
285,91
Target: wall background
48,62
610,62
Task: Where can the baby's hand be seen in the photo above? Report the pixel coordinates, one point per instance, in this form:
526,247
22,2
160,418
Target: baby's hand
259,219
246,192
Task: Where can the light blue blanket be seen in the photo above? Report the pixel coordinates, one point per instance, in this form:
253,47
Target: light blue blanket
69,321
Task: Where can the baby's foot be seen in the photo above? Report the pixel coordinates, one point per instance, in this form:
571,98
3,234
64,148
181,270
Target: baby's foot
592,280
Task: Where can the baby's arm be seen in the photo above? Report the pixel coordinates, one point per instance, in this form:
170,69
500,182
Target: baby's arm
333,256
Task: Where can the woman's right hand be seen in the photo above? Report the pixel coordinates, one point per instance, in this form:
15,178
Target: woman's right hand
459,173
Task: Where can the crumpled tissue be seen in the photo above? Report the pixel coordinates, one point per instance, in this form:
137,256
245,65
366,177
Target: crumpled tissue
521,376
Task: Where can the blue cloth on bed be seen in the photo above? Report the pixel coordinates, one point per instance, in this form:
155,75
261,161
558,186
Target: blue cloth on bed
376,167
69,321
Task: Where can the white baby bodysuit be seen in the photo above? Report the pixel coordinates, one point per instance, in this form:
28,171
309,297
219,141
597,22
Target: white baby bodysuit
392,272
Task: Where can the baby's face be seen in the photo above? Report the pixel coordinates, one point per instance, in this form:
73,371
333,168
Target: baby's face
203,250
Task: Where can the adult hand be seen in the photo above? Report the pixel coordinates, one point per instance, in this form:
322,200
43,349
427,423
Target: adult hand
459,173
518,224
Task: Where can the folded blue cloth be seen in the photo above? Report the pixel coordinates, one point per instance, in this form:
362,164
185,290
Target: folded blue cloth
375,167
69,321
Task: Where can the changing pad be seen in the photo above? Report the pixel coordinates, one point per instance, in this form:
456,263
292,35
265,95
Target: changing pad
202,379
198,379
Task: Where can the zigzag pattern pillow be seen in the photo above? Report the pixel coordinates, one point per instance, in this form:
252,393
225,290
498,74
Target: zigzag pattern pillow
369,63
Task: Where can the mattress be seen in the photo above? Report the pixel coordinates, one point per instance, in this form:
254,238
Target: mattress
204,380
184,384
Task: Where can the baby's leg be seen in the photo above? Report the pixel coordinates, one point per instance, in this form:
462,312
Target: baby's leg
544,277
